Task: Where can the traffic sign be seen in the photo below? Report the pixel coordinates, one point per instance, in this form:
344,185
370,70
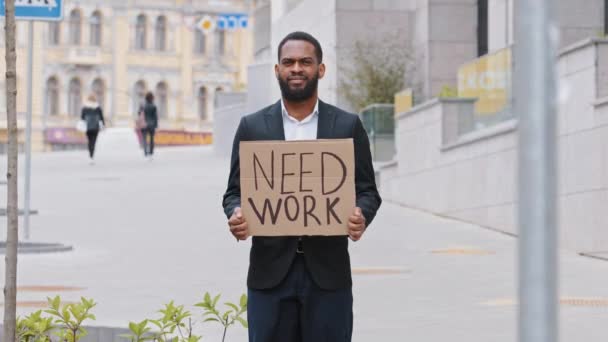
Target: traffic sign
42,10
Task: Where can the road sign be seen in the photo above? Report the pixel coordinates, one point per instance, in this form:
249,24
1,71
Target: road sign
232,21
43,10
206,24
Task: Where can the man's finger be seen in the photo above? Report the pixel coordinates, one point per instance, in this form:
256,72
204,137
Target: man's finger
358,211
356,219
355,226
238,227
235,221
238,213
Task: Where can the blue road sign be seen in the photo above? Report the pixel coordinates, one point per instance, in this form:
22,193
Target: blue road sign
232,21
43,10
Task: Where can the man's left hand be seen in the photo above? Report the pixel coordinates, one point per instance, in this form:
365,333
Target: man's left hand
356,224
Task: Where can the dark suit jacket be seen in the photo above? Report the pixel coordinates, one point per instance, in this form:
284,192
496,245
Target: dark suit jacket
327,258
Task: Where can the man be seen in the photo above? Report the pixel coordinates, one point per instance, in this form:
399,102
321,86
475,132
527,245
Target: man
300,287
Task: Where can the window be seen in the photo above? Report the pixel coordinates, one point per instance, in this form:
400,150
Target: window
162,99
54,33
99,89
75,27
220,37
96,29
200,41
160,42
482,27
52,96
75,98
139,94
216,102
202,103
140,32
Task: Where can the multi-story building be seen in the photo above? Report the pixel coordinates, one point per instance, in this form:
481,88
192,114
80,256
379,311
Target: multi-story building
121,49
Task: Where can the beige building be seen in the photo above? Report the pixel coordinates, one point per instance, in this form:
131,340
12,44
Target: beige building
119,50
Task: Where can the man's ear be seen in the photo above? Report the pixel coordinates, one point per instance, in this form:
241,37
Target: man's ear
276,71
321,70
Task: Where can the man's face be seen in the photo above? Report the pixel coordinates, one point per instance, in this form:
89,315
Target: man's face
298,70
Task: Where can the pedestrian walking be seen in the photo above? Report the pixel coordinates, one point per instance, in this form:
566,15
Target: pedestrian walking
148,118
92,117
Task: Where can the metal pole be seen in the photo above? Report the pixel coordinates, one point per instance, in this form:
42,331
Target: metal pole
28,133
535,105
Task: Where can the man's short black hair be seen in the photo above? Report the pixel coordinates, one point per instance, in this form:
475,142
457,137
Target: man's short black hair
299,35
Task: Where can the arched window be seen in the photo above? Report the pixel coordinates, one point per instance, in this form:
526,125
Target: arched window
218,90
96,29
75,97
99,89
54,33
200,40
139,94
161,34
140,32
52,96
202,103
162,99
75,27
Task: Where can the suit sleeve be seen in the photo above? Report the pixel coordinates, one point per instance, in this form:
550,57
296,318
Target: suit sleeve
368,198
232,197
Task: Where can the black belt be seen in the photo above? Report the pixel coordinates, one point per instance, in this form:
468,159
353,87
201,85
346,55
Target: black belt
300,249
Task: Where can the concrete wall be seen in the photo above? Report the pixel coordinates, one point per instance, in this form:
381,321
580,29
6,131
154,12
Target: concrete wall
579,20
474,178
224,127
444,38
382,24
317,17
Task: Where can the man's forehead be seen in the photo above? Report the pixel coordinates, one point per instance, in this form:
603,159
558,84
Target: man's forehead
297,49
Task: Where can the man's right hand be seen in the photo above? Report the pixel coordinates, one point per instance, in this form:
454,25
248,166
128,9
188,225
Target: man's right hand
238,225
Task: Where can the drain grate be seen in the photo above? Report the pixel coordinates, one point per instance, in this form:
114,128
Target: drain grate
46,288
378,270
590,302
462,251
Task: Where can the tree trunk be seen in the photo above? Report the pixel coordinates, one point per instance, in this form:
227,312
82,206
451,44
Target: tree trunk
12,236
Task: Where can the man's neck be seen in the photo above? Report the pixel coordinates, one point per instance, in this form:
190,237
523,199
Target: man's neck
300,110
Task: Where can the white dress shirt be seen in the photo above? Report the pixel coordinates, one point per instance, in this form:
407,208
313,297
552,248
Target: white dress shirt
301,130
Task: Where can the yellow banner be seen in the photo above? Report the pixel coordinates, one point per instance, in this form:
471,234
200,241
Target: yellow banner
488,79
403,101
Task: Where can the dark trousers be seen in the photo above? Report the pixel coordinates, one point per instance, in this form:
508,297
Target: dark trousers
297,310
148,146
92,138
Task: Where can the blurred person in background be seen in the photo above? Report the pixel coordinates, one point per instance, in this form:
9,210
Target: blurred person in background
92,116
148,118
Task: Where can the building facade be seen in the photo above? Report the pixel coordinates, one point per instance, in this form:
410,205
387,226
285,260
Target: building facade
119,50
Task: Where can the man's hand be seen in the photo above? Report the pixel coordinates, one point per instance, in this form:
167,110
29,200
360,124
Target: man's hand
238,225
356,225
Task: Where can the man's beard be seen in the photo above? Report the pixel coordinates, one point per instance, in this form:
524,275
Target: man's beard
300,94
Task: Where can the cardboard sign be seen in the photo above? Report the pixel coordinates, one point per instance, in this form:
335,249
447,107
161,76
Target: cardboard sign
296,188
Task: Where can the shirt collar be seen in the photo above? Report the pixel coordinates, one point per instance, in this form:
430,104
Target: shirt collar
315,112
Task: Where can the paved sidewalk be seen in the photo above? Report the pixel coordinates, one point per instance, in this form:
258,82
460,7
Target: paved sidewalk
147,232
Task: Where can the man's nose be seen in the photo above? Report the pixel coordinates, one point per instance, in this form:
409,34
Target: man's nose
297,67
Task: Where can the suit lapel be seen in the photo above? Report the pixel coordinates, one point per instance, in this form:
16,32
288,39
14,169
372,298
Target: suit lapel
326,121
274,122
